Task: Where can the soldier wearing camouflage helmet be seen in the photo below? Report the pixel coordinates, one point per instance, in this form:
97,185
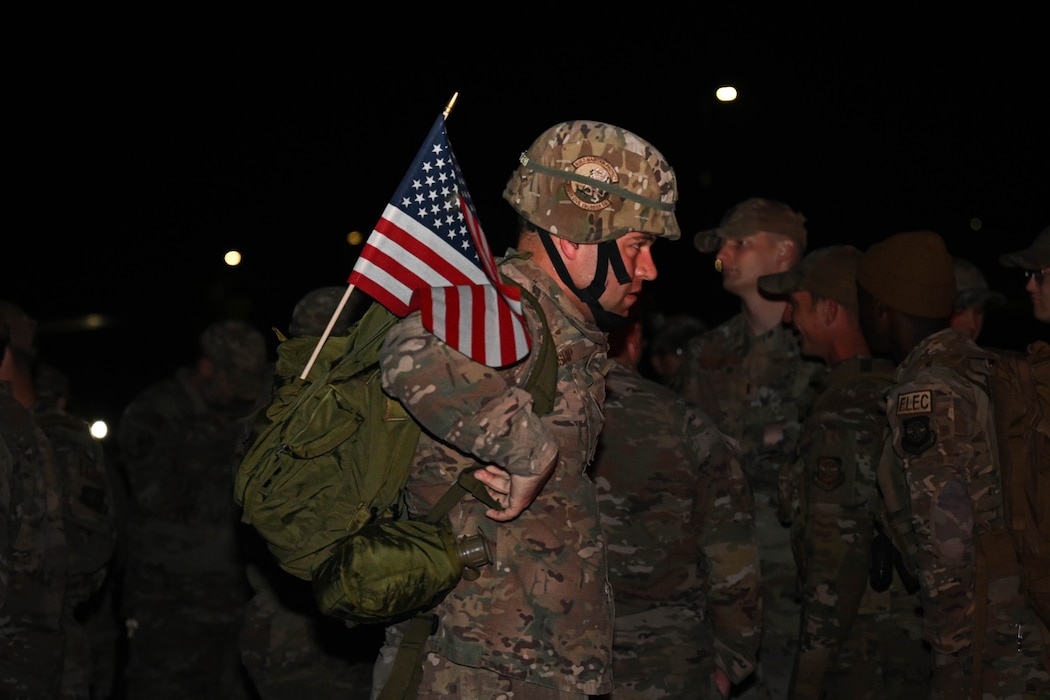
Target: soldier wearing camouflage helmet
184,586
538,623
944,478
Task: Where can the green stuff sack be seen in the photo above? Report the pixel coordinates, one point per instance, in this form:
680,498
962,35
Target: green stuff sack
330,453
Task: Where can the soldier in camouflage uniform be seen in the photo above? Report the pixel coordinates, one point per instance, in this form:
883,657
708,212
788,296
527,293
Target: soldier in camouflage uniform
678,516
944,476
537,623
90,517
1035,261
859,637
185,588
973,298
747,374
33,552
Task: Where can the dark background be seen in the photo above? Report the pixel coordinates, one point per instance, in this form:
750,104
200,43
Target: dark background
146,147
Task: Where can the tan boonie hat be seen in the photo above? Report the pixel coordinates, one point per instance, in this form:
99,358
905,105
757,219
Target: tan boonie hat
1034,257
239,349
588,181
971,288
21,328
827,272
911,272
755,215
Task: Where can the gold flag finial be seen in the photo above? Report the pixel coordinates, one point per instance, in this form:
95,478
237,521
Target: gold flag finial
448,107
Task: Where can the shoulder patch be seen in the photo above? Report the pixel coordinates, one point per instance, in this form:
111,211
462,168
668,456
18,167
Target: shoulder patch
915,402
917,436
828,473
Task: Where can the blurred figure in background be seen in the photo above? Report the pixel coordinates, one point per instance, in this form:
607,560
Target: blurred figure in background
678,517
1035,262
34,556
185,588
972,298
668,337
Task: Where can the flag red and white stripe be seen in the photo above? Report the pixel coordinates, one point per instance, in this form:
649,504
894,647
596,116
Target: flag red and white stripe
428,252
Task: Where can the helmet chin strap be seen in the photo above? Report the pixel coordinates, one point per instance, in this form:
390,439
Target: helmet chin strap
608,252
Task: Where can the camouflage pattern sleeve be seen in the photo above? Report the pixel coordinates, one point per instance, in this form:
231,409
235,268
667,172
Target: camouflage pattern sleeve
727,541
936,433
464,403
839,451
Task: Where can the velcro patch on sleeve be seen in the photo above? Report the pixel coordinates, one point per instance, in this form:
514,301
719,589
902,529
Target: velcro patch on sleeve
915,402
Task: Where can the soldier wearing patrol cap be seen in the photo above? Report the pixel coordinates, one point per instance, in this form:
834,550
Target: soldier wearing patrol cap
750,377
858,639
942,474
972,298
538,623
1035,261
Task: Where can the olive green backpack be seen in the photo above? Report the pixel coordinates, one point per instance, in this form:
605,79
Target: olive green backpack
324,471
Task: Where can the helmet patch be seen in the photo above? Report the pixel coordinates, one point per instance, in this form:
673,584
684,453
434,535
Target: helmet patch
588,196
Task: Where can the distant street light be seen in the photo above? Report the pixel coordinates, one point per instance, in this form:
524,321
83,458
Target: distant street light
725,93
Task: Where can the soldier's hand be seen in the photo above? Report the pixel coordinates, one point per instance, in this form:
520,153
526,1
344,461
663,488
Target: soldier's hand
515,493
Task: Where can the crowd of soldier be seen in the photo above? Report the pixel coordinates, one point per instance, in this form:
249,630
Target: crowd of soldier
730,492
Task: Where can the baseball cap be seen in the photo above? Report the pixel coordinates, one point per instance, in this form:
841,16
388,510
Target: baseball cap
240,349
971,288
21,328
1034,257
910,272
753,216
828,272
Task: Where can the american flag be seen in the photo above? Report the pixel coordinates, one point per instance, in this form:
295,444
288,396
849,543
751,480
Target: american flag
428,252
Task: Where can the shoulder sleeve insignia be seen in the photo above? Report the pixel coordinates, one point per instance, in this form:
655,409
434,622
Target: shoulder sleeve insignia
917,437
827,474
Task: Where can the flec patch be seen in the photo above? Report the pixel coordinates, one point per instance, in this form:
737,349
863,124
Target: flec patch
915,402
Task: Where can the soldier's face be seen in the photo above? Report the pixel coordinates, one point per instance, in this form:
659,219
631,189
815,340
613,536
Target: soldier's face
806,314
874,322
746,259
636,252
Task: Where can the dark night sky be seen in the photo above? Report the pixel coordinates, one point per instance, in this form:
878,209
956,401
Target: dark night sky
138,161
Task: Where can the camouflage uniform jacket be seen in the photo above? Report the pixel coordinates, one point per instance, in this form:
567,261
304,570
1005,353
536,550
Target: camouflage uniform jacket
940,431
838,504
179,455
33,557
679,519
542,612
750,385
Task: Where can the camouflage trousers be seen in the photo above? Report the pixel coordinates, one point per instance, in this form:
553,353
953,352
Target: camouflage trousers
443,679
660,654
781,608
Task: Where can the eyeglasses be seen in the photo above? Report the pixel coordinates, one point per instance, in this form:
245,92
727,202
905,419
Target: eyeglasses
1039,275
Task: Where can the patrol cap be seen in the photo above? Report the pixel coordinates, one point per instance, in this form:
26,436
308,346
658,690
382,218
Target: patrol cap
828,272
1034,257
755,215
589,181
910,272
21,328
971,288
314,310
239,349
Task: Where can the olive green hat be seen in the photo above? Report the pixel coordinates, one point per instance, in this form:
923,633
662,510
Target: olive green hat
588,181
828,272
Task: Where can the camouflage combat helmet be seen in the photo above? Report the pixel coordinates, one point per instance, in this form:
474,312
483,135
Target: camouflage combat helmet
588,182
